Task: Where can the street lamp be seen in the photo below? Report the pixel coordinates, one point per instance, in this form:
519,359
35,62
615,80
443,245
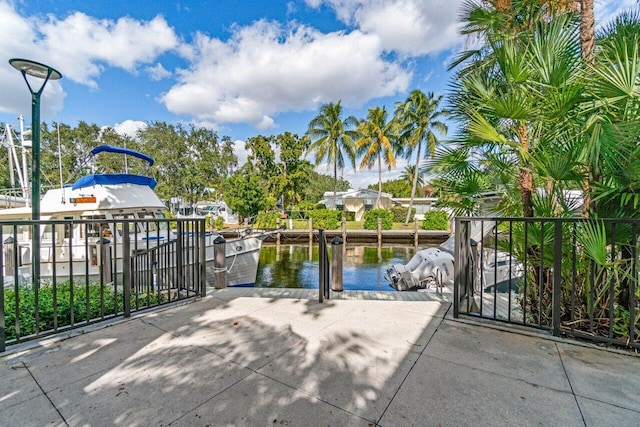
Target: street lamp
35,69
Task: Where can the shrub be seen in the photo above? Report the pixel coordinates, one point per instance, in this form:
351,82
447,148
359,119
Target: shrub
267,220
371,219
327,219
436,220
98,300
400,213
349,216
319,206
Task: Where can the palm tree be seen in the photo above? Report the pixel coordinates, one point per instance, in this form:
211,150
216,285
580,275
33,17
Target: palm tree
409,173
418,118
332,138
377,141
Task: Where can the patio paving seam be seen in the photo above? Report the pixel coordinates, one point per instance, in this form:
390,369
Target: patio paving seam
573,392
421,354
45,394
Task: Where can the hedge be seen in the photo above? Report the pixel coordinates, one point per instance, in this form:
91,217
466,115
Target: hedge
436,220
327,219
400,213
371,219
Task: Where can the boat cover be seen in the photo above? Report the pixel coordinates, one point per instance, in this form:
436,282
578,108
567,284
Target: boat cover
120,150
117,178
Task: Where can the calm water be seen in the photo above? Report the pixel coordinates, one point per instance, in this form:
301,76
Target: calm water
363,268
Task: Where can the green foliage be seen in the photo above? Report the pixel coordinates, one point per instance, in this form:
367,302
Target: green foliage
245,194
436,220
399,213
101,302
349,216
327,219
395,187
371,219
318,184
267,220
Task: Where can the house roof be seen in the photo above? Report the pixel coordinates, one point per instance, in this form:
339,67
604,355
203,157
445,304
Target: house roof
361,193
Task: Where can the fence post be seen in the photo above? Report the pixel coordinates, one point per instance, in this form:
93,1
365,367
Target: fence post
336,264
310,232
219,266
344,231
379,232
3,334
321,272
557,279
126,267
203,259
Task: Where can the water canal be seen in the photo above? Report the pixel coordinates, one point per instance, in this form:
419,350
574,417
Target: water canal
296,266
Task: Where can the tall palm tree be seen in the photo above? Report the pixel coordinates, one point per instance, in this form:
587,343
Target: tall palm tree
418,118
332,139
377,142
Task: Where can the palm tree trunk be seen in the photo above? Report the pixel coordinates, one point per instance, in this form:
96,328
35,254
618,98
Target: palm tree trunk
586,31
587,47
335,183
379,180
415,185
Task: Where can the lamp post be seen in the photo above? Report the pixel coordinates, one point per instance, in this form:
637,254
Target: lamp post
35,69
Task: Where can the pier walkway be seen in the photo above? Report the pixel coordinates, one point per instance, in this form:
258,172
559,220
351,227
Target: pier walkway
276,357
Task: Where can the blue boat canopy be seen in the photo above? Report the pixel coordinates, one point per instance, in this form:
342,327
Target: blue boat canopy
120,178
120,150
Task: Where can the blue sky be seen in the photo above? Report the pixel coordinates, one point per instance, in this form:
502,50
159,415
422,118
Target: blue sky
242,68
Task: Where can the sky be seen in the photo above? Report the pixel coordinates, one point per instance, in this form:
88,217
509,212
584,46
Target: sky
240,67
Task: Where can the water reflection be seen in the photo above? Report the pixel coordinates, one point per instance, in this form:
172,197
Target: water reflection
296,266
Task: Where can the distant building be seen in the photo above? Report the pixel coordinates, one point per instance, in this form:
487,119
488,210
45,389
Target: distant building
357,201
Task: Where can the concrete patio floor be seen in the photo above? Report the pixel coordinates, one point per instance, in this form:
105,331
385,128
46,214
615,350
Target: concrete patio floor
276,357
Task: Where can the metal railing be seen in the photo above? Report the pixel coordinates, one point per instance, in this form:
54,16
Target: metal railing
572,277
95,270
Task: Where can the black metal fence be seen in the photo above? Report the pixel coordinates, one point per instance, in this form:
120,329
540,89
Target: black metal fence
94,270
572,277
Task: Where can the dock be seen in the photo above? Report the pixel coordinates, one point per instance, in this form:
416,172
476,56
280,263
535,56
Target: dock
385,237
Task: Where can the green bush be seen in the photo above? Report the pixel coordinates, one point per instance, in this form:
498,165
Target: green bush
349,216
436,220
319,206
327,219
400,213
371,219
98,301
267,220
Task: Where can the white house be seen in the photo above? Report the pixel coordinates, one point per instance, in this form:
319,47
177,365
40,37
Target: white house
357,201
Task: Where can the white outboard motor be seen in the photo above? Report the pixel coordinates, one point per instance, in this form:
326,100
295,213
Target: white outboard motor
430,267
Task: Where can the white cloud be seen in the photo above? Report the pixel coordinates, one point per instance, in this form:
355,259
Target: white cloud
407,27
605,10
78,46
264,69
82,44
157,72
129,127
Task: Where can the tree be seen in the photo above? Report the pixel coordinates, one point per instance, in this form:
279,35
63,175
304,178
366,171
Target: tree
395,187
418,118
244,193
377,141
294,172
332,139
408,174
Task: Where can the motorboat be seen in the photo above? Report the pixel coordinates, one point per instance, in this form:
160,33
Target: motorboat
78,220
432,269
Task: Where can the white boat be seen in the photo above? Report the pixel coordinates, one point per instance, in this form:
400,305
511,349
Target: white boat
74,249
432,269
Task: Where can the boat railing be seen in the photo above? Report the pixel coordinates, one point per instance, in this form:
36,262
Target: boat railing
574,277
136,264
